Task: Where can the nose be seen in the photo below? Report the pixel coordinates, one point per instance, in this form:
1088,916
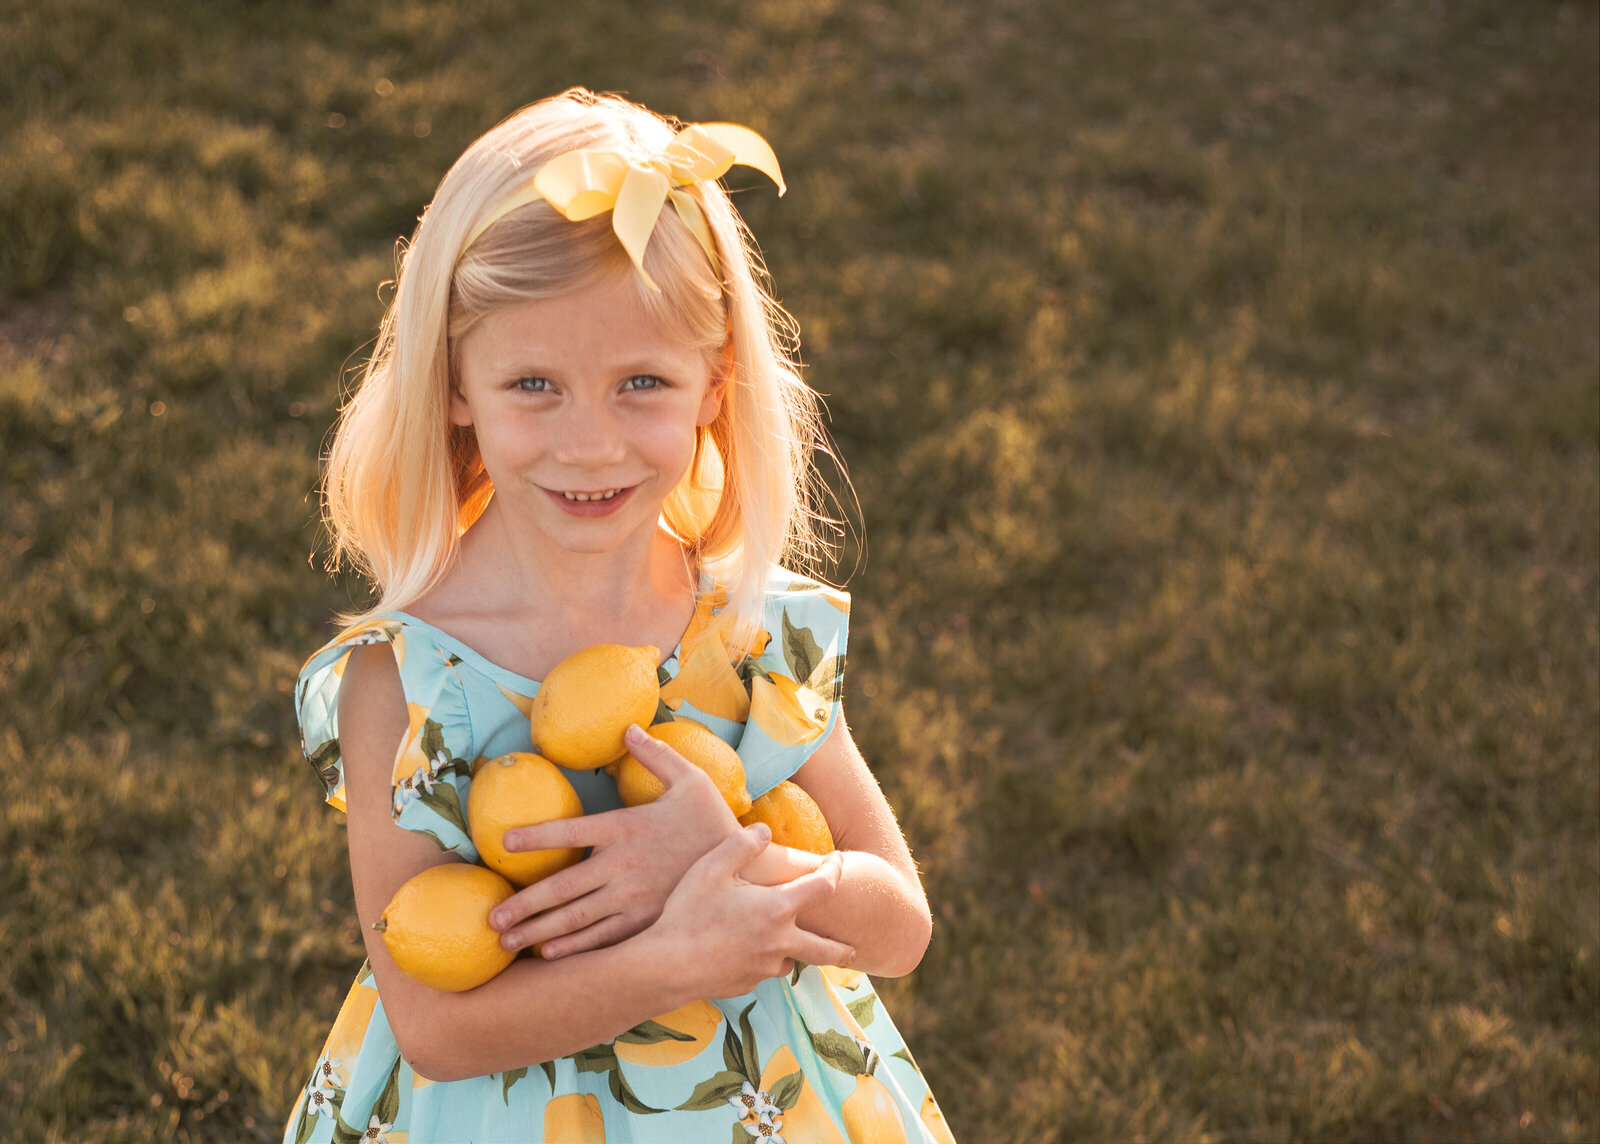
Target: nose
589,437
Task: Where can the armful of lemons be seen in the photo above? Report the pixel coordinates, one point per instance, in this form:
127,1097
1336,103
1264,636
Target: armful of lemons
437,925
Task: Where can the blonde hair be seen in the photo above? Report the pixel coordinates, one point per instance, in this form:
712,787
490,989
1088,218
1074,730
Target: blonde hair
402,483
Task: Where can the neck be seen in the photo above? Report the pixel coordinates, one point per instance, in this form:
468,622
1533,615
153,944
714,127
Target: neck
583,597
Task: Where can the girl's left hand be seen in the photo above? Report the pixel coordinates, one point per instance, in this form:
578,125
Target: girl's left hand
639,854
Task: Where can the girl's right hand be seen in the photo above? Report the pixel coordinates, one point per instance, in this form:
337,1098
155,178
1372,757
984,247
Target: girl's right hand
639,854
728,934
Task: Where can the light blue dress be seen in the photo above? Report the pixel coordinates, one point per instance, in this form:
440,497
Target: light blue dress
811,1056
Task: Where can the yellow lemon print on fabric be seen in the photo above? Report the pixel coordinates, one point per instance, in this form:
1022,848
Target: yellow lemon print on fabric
843,978
523,703
700,1020
807,1120
589,699
410,757
837,598
870,1115
350,1027
706,679
574,1119
933,1120
789,712
846,1018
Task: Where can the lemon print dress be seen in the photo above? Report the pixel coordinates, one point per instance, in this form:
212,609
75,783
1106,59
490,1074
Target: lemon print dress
807,1057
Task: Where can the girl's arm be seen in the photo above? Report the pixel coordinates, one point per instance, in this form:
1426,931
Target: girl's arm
717,935
879,908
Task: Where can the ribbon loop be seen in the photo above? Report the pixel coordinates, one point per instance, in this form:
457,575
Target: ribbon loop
583,184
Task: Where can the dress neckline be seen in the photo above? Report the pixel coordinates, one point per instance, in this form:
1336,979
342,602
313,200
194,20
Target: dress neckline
525,684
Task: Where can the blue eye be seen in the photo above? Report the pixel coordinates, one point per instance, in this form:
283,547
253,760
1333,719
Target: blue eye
532,384
643,381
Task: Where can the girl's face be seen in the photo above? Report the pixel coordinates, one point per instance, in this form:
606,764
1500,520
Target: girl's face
585,413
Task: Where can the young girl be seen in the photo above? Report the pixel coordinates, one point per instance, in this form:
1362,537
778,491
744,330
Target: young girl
581,426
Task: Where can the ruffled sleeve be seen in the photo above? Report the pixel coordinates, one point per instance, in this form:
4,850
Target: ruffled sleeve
432,771
796,679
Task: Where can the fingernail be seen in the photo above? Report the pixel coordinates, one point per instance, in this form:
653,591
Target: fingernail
761,830
511,941
634,735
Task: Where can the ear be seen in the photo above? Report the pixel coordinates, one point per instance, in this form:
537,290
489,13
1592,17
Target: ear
460,411
721,380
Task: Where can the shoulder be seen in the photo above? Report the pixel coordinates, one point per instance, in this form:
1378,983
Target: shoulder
385,678
785,587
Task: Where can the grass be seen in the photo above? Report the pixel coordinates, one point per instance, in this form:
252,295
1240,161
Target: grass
1221,383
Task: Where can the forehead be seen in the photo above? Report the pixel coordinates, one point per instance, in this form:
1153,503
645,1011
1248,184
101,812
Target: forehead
599,326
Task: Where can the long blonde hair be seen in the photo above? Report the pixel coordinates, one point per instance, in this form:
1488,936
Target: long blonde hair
402,484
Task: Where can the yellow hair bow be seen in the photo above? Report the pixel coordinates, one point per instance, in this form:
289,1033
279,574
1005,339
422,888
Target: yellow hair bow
582,184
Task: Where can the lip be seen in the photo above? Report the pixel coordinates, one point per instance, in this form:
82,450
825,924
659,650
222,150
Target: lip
591,508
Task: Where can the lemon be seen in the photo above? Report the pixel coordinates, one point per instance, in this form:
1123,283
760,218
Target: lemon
870,1115
697,743
699,1020
514,790
933,1119
794,818
589,699
437,926
574,1119
807,1119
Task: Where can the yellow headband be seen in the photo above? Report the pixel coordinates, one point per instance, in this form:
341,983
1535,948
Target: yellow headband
582,184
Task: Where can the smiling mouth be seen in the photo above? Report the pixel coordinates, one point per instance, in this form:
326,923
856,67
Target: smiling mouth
605,495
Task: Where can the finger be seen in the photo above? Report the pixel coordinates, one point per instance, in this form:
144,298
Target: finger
734,852
807,890
570,918
562,833
658,758
608,932
814,949
568,885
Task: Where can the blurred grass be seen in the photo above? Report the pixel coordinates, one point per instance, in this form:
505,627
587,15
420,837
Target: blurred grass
1221,383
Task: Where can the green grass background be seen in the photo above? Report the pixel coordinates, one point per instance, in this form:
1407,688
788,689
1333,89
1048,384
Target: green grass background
1221,384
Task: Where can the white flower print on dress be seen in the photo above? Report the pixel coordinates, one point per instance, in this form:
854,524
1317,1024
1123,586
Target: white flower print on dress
326,1074
753,1103
418,784
765,1128
375,1131
320,1101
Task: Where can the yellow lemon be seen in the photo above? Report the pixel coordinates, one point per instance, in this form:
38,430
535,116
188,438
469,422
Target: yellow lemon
808,1119
699,1019
437,926
933,1120
574,1119
794,818
514,790
588,700
870,1115
700,745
